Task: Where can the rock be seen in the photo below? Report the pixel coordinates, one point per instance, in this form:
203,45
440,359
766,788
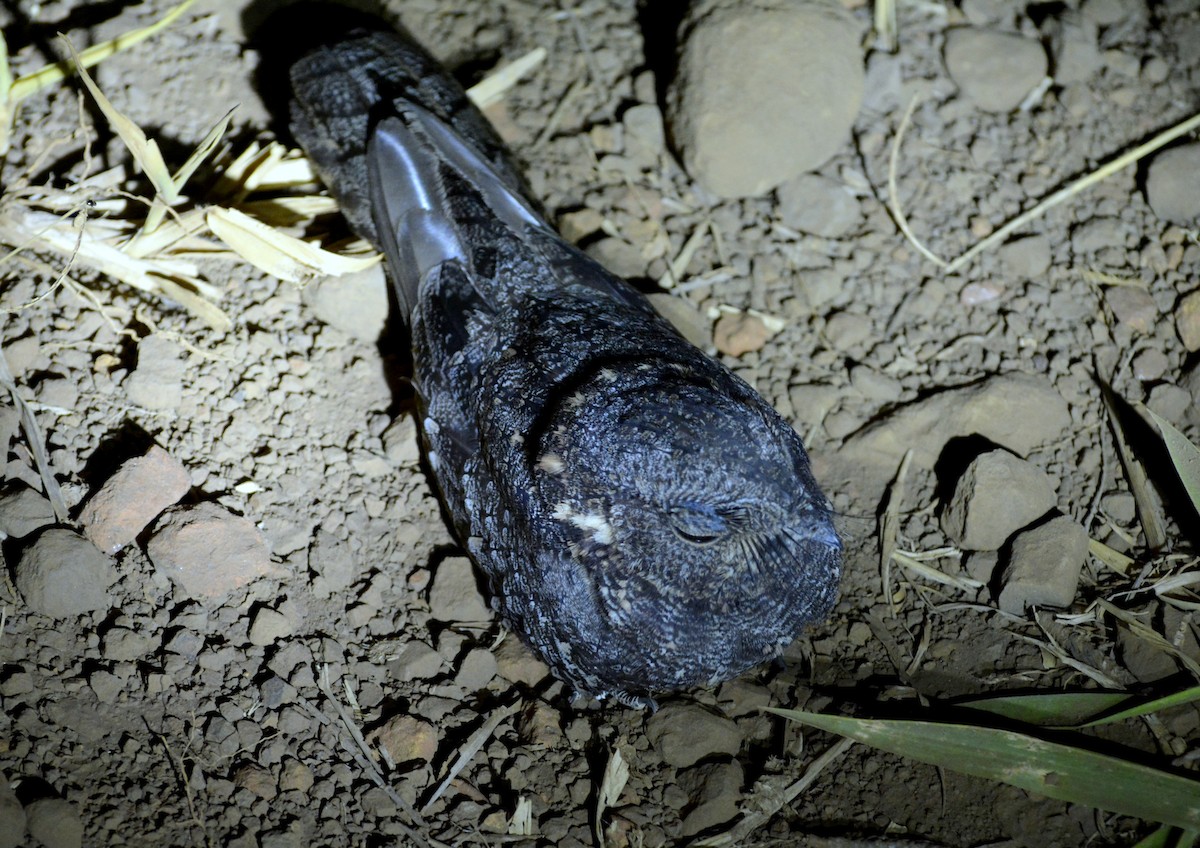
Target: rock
256,780
54,823
996,496
1100,233
455,595
1044,565
814,204
23,511
400,441
1187,320
516,663
1150,365
684,734
742,126
157,382
716,798
417,661
269,626
736,333
1028,257
1133,307
63,575
995,70
133,497
295,776
847,329
355,303
619,256
477,669
121,644
12,817
645,138
208,551
1173,184
684,317
1015,411
407,739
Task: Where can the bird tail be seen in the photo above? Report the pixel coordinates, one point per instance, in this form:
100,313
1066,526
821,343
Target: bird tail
384,123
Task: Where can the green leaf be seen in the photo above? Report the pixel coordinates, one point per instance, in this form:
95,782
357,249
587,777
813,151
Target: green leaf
1058,709
1184,455
1052,769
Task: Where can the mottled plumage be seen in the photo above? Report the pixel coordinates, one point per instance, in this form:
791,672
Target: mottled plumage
647,522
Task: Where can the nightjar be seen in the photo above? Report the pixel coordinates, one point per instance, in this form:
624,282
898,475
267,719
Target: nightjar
646,521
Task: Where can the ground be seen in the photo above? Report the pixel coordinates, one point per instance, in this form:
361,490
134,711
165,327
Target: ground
321,693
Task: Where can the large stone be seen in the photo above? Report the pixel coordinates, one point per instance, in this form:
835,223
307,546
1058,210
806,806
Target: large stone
1044,565
995,70
63,575
764,91
996,496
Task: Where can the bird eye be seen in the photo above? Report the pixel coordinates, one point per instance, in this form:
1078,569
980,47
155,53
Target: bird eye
698,525
693,538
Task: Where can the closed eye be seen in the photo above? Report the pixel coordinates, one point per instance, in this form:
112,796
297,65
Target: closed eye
698,524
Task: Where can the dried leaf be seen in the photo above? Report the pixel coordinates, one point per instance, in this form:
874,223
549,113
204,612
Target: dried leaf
279,254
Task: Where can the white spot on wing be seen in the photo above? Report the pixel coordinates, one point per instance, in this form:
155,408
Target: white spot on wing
595,523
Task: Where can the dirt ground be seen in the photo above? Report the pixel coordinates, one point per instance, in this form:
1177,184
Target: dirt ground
321,692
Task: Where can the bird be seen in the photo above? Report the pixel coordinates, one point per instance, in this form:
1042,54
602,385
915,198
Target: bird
646,522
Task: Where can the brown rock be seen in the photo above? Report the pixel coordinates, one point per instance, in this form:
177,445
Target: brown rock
1133,307
455,595
63,575
1043,569
256,780
684,734
208,551
516,663
1187,320
742,126
12,817
133,497
54,823
295,775
739,332
23,511
996,70
996,496
407,739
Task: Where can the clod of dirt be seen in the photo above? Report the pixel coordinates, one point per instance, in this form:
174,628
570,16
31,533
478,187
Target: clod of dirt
400,442
157,382
736,333
996,496
54,823
619,256
684,317
295,776
1187,320
63,575
716,793
1028,258
208,551
133,497
256,780
120,644
270,626
1133,307
517,664
23,511
684,734
1015,411
454,595
1173,184
407,739
814,204
12,817
1043,568
477,669
417,661
355,303
742,124
995,70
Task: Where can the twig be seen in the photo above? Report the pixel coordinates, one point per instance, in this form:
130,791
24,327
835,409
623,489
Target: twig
752,821
469,750
181,775
894,194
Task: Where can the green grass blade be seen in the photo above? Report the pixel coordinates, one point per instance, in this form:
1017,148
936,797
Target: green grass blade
1048,768
1187,696
1058,709
1169,837
1184,455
